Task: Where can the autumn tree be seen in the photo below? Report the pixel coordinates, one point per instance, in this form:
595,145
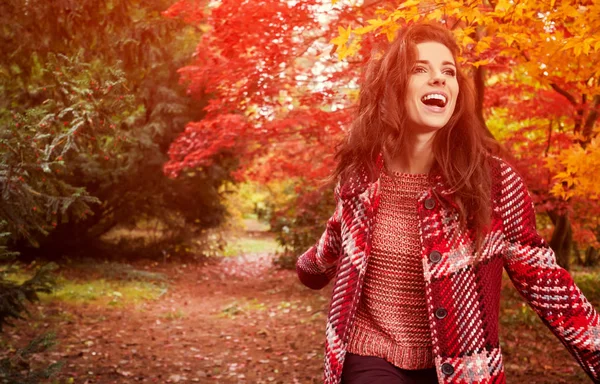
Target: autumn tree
280,101
283,100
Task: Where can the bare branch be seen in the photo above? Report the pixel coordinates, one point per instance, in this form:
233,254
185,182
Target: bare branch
591,118
566,94
550,124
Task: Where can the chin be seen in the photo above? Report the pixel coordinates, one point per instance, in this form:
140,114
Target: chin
434,125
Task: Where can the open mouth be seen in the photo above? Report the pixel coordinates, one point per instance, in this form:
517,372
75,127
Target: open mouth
435,100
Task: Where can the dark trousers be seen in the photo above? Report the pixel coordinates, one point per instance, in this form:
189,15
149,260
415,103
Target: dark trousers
374,370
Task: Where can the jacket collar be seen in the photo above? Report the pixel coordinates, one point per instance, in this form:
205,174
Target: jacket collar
361,185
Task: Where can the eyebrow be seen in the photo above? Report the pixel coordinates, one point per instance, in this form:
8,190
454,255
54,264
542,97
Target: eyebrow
443,63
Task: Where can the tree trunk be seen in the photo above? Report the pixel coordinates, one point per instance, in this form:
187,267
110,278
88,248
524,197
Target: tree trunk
562,238
479,80
591,257
579,260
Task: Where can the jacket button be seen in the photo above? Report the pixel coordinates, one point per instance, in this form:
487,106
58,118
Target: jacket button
435,257
429,203
440,313
447,369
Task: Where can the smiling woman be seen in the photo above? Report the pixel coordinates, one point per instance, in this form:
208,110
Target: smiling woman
426,218
432,89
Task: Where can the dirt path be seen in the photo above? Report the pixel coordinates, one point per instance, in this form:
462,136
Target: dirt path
237,321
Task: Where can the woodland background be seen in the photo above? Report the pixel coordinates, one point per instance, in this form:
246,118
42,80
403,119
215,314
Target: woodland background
162,164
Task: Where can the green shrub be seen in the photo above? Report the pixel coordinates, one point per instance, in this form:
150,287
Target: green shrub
299,223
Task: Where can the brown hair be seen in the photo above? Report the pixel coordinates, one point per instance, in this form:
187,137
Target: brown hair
460,148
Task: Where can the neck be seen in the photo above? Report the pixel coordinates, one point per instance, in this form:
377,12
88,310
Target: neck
416,156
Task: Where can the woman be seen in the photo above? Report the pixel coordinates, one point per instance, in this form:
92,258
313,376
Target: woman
426,219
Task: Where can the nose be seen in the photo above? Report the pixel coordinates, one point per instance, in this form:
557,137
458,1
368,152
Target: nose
437,79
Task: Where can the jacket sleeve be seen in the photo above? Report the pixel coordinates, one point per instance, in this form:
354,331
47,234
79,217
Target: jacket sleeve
317,266
548,288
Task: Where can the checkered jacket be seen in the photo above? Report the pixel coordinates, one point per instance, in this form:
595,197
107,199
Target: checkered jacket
462,291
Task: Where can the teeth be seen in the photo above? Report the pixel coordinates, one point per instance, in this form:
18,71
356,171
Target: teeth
438,96
435,96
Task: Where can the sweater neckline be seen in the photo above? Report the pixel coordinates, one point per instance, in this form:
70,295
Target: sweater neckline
405,175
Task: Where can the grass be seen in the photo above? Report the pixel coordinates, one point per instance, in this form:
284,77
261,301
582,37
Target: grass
173,315
245,245
98,290
119,271
588,280
103,291
241,307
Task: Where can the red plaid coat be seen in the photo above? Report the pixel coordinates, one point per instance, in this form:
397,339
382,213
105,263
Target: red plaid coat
463,292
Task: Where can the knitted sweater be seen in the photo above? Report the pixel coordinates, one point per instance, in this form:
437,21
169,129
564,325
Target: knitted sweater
391,319
462,288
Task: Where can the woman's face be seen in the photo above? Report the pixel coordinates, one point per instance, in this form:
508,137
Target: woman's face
432,88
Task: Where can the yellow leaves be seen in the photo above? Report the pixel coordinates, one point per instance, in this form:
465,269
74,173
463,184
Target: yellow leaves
348,50
587,45
559,191
508,37
520,9
577,49
343,36
373,25
568,11
578,46
387,27
456,5
466,40
343,45
409,3
390,30
502,6
523,30
577,177
479,63
483,44
471,15
569,44
405,13
436,14
353,94
467,30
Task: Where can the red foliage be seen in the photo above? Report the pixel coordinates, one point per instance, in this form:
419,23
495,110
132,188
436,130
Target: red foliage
264,62
281,101
202,140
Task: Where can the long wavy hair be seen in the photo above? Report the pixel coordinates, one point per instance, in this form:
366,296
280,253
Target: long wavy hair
461,148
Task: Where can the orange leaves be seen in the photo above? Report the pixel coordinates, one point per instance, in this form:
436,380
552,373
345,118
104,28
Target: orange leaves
520,31
583,45
264,61
541,74
479,63
579,169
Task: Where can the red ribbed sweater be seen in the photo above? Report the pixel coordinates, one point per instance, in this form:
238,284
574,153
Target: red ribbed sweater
391,319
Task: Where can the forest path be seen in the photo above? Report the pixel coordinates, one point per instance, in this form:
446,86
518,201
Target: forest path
237,320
